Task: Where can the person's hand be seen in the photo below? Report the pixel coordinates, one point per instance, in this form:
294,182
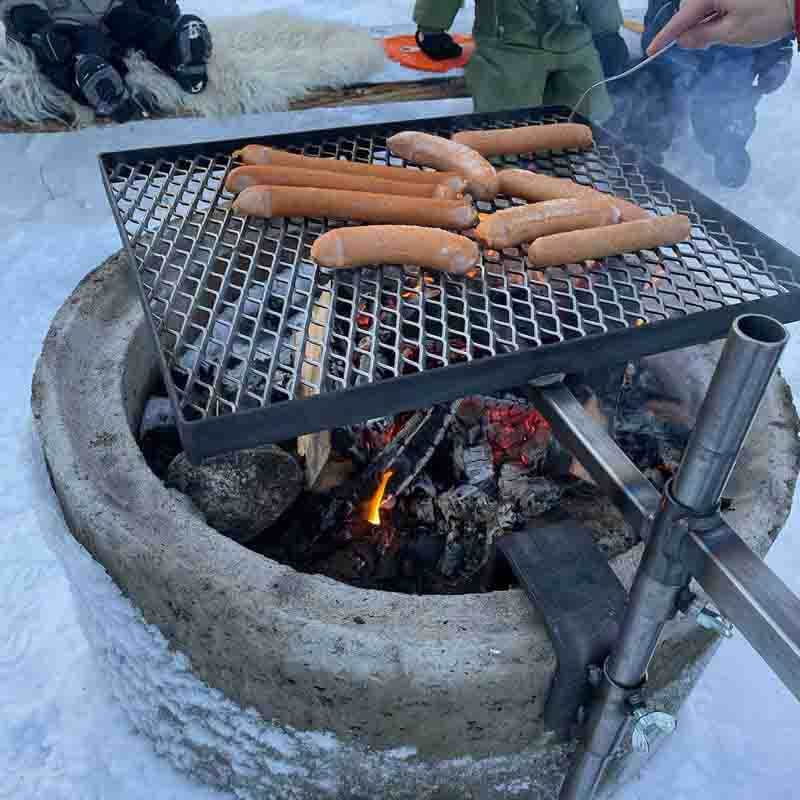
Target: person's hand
700,23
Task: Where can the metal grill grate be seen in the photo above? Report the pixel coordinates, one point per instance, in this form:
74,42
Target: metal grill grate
245,320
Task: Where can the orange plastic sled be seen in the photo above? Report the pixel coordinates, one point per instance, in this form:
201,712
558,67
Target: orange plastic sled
404,50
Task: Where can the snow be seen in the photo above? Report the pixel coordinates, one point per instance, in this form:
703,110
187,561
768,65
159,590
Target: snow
62,735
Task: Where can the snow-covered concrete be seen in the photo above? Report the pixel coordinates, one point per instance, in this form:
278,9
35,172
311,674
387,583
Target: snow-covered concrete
61,734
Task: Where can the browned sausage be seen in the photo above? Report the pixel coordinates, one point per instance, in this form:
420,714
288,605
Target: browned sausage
528,139
443,154
627,237
294,201
258,155
513,226
396,244
242,177
534,188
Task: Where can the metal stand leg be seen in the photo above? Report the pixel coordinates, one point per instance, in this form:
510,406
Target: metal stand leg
674,553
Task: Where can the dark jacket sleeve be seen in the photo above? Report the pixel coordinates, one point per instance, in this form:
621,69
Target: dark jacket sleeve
436,15
602,16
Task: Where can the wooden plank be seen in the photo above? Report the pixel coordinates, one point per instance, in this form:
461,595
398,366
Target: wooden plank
356,95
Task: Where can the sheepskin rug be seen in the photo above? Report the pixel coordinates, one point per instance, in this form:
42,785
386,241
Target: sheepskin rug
260,63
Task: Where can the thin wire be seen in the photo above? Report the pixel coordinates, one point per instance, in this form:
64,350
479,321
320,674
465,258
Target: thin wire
619,77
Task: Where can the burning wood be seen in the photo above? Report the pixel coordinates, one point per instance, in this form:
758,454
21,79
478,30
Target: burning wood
458,476
374,507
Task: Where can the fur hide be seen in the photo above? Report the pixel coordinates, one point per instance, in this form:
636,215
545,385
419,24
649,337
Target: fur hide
260,63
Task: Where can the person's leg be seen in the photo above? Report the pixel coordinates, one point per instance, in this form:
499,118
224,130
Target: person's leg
572,75
501,78
723,112
178,43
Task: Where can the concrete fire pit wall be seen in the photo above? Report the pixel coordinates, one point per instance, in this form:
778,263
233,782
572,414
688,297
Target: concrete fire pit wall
348,691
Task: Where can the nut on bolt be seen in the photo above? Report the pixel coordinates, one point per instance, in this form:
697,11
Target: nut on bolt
710,619
594,675
649,724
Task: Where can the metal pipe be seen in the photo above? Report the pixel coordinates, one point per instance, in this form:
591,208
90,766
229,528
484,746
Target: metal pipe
751,596
599,455
750,356
743,373
652,602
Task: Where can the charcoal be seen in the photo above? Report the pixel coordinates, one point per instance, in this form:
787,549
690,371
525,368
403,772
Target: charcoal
422,551
529,494
473,521
423,509
478,467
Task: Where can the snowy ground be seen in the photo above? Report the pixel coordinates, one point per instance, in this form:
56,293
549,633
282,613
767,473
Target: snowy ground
61,734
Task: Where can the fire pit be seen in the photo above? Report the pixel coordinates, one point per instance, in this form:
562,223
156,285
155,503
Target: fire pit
357,692
426,386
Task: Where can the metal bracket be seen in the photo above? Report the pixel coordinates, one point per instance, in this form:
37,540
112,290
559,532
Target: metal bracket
582,602
742,587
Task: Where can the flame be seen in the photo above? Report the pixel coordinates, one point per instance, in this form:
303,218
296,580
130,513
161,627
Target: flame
374,508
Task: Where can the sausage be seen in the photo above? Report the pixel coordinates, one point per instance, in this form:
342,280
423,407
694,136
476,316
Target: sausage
450,189
242,177
513,226
258,155
527,139
533,187
627,237
294,201
396,244
443,154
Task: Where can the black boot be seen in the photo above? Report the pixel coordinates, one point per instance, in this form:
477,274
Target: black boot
189,53
438,45
732,167
103,88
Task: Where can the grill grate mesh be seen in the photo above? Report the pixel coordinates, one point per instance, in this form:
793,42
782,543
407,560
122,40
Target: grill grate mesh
246,321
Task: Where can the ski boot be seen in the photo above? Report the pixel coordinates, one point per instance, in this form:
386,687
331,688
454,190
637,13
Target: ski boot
103,87
189,54
732,167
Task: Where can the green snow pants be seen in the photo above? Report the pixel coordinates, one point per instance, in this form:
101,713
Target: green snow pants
501,76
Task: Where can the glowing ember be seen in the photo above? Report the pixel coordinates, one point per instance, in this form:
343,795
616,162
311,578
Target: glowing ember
374,508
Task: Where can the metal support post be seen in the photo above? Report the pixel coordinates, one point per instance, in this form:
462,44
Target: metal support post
748,362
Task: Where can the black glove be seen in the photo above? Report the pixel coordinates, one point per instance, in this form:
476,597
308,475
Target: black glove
613,52
32,26
51,46
772,65
439,46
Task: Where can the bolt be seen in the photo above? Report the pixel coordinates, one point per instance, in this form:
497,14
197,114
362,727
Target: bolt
710,619
594,675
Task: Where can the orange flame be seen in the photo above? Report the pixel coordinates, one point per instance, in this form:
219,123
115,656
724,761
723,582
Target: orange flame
374,508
